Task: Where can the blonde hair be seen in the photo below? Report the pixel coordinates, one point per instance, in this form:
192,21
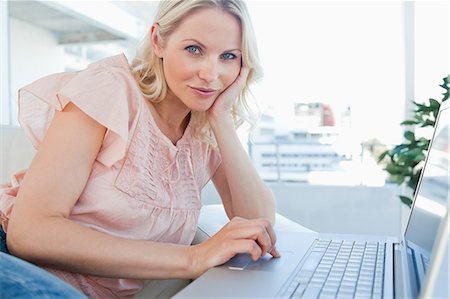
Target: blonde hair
148,70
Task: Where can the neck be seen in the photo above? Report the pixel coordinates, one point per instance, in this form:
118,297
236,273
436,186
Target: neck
172,117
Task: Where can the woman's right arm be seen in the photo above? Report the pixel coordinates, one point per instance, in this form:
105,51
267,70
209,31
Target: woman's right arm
39,229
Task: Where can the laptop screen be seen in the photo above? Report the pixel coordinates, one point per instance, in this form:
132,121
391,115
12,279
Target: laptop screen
431,202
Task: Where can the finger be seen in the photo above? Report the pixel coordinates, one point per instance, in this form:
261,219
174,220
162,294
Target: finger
271,233
254,231
241,79
247,246
274,252
243,75
242,222
269,229
245,70
239,228
273,239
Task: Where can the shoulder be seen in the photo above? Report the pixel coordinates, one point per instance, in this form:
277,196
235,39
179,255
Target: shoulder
117,64
106,91
106,75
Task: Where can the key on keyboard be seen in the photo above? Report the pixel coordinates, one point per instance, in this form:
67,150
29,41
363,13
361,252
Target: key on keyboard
340,269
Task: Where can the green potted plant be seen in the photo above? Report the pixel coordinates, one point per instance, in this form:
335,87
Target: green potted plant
404,161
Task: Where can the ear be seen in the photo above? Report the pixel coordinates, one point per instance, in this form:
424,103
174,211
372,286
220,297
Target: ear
156,43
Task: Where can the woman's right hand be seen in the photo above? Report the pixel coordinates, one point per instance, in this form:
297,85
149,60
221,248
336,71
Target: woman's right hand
253,236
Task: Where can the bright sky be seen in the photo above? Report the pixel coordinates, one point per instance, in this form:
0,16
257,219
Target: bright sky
346,53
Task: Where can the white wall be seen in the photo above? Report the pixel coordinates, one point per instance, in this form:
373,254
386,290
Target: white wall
4,64
16,152
34,53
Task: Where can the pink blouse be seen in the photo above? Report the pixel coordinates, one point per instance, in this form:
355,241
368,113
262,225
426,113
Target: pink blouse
141,185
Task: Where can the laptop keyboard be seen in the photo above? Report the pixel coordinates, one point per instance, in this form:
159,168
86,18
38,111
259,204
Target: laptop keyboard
340,269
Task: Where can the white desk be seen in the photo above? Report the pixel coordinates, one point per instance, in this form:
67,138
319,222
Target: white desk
213,218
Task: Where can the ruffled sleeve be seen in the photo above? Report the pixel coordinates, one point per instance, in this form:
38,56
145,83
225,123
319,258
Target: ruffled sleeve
104,91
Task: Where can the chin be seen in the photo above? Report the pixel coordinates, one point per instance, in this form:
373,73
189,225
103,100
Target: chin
200,107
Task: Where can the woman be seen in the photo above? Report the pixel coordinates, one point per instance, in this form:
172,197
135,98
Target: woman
112,197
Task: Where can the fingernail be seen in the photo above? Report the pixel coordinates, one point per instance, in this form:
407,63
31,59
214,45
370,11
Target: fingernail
274,252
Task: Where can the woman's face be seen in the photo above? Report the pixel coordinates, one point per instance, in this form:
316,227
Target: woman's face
201,57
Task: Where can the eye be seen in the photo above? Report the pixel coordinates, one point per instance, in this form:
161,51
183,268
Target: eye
193,50
228,56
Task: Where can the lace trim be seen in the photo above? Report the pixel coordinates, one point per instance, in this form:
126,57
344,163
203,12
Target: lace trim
133,178
150,164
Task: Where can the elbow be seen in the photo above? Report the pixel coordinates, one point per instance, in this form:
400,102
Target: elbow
14,242
18,241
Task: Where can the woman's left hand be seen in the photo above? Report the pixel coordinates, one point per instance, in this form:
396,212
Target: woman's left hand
222,105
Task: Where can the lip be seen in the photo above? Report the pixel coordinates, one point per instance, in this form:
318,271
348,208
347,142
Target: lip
204,92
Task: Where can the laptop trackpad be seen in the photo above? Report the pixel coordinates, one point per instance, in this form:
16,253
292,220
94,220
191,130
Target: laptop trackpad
244,262
239,262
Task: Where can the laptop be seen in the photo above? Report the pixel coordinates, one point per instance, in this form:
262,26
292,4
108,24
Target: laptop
314,265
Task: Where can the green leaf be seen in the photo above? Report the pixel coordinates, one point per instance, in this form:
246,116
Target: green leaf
422,108
409,122
414,180
446,86
415,164
428,123
409,135
423,143
418,117
406,200
434,104
419,158
398,149
415,152
394,169
446,80
411,157
435,113
382,156
398,179
406,159
419,105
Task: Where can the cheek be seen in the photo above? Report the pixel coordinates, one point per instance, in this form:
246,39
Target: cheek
230,75
177,68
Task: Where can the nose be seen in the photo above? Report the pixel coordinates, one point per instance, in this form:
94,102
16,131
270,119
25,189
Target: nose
209,71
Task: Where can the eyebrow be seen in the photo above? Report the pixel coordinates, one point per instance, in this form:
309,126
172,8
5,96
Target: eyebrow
203,46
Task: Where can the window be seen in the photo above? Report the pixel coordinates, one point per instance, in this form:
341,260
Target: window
335,77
